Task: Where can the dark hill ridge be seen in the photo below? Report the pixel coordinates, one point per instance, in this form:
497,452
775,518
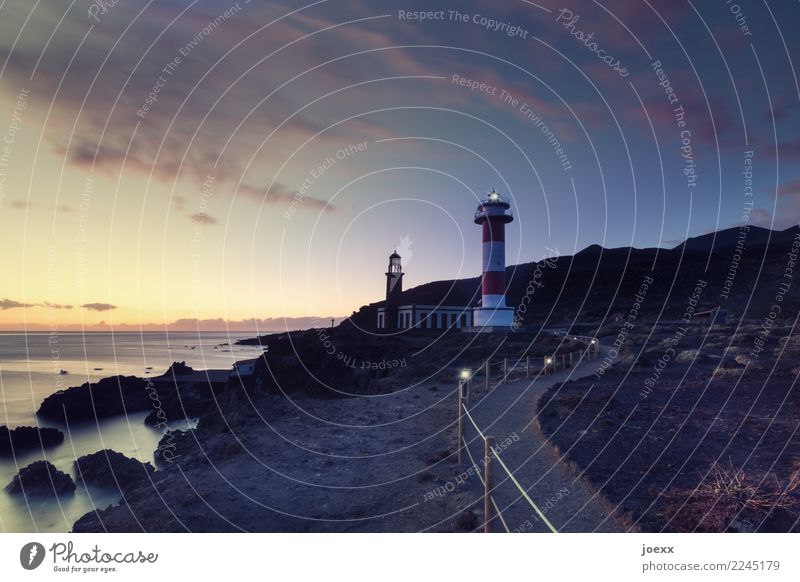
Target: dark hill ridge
725,239
597,282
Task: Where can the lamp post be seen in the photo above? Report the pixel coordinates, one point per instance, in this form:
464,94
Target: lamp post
465,383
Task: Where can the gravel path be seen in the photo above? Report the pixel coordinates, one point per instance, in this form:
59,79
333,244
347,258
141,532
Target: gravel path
507,412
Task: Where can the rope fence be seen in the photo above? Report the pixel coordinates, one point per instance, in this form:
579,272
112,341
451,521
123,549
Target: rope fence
490,453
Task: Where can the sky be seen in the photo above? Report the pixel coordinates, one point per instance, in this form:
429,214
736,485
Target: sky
218,165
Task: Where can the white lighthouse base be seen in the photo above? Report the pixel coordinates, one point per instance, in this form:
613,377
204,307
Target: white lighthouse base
493,317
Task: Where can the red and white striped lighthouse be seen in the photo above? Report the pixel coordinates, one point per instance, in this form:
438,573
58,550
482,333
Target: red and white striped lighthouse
493,215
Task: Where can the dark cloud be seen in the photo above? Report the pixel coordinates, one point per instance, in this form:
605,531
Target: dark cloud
56,305
98,306
203,218
11,304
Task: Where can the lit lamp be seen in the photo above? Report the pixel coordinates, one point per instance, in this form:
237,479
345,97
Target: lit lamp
465,377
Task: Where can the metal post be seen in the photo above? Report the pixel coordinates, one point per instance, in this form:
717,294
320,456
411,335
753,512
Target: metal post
527,366
563,362
488,443
505,369
570,359
545,365
460,420
487,375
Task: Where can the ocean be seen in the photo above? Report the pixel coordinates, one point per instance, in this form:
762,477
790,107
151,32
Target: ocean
34,365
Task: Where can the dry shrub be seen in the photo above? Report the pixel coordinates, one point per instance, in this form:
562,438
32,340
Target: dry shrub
571,401
727,373
735,350
726,497
687,356
790,341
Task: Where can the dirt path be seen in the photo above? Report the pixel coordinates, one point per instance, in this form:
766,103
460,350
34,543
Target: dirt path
507,412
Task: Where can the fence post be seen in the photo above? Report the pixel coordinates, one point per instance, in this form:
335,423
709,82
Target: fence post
488,443
505,369
570,359
527,366
459,436
545,365
563,362
487,375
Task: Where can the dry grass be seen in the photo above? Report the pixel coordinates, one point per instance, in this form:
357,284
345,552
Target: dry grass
727,496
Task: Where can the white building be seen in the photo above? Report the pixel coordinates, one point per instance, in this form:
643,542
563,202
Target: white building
243,368
426,317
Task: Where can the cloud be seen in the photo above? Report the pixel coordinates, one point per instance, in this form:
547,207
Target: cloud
251,326
11,304
787,210
203,218
27,204
789,190
210,116
98,306
282,194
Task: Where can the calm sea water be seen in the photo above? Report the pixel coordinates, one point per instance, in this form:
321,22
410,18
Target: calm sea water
30,370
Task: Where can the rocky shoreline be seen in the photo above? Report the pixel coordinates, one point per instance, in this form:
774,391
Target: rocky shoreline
311,440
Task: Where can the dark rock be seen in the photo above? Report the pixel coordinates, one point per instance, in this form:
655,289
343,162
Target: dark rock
109,468
178,369
41,478
24,438
181,400
174,445
108,397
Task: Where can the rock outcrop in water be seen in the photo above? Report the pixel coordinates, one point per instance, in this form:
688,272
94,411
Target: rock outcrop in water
108,468
41,479
108,397
25,438
179,393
